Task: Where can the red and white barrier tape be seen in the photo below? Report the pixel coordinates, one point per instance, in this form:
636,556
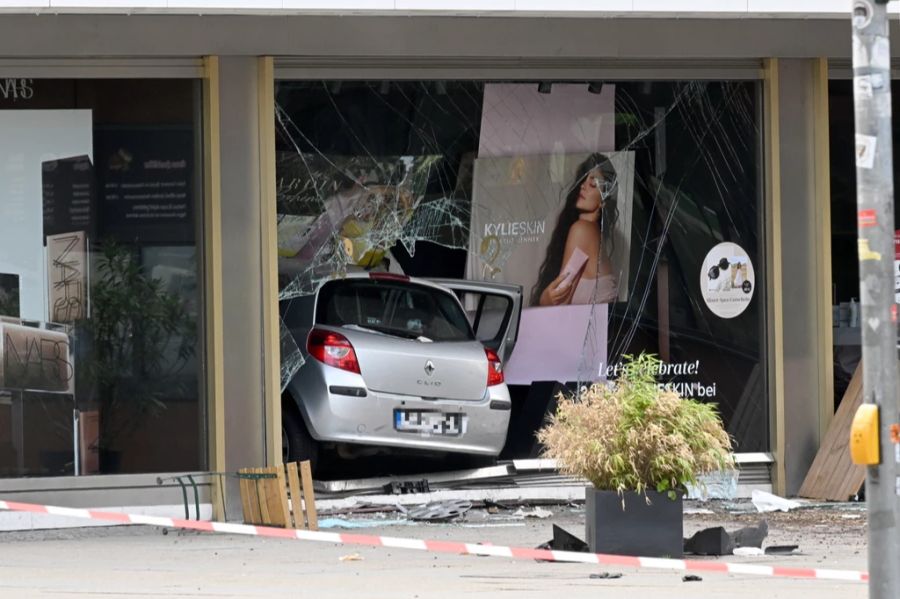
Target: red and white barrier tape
445,546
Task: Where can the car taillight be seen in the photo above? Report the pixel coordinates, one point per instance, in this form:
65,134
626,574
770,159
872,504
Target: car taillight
333,349
495,368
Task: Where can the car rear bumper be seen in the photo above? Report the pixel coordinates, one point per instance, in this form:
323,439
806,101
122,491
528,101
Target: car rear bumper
346,417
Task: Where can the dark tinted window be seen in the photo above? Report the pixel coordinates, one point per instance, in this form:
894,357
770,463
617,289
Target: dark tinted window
488,314
101,358
396,308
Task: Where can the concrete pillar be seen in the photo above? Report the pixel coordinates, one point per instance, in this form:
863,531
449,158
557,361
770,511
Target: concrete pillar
804,411
244,406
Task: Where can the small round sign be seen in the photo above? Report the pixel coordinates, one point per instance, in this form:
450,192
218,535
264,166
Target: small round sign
727,280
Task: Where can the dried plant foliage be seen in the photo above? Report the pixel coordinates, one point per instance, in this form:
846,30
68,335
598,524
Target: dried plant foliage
629,435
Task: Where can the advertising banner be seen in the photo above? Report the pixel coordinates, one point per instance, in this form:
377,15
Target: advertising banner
552,208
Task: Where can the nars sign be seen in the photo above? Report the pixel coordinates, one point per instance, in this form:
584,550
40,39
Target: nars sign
16,89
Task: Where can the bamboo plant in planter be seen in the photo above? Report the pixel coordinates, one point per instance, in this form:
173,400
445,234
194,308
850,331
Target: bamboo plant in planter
639,447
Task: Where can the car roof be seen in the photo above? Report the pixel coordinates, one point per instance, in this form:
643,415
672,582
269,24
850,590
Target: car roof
366,275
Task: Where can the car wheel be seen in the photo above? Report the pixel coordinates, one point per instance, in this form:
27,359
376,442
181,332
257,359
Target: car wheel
296,443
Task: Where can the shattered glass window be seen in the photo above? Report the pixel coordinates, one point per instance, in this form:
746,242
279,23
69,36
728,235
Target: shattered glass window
629,213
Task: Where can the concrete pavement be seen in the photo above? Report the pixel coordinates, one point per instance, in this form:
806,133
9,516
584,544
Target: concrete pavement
142,561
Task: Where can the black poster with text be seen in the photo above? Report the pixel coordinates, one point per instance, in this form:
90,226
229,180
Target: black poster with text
69,196
145,183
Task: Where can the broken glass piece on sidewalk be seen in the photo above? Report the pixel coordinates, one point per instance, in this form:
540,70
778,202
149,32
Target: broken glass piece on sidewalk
439,511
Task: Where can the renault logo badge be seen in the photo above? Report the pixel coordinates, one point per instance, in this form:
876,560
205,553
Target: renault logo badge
429,367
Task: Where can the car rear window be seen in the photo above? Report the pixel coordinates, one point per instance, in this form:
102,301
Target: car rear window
393,307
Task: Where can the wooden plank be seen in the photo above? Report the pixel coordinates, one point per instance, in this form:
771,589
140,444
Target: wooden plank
833,476
219,498
825,471
264,516
839,472
280,497
296,499
246,506
309,498
274,492
830,467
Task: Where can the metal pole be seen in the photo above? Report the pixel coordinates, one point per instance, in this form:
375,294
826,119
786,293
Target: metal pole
875,203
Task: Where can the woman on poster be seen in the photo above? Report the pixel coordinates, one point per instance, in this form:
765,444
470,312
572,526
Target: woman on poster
577,268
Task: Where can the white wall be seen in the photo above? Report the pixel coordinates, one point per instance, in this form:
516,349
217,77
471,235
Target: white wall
28,138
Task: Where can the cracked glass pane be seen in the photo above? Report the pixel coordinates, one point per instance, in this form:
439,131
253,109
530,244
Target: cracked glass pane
630,213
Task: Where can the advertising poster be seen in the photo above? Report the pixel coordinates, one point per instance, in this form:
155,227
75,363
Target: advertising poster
557,225
145,181
727,280
67,277
69,196
552,207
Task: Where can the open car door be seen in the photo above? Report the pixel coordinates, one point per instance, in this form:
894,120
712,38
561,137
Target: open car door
493,310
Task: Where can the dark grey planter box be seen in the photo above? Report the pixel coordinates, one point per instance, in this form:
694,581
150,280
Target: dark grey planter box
653,530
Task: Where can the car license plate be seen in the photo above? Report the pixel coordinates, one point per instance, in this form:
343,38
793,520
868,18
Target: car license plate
430,423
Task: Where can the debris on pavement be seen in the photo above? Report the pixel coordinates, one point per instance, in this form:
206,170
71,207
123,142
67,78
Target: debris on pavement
710,541
767,502
406,487
702,511
440,511
352,557
691,578
435,480
537,512
564,541
606,575
345,523
715,485
748,551
781,549
494,525
718,541
751,536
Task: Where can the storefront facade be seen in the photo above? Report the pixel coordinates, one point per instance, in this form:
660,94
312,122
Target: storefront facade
195,160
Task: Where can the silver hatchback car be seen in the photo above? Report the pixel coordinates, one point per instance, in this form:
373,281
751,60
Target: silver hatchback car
395,362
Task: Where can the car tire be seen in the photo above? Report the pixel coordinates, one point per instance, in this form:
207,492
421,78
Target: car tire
297,444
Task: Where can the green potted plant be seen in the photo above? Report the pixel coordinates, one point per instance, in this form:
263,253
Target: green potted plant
639,446
134,346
